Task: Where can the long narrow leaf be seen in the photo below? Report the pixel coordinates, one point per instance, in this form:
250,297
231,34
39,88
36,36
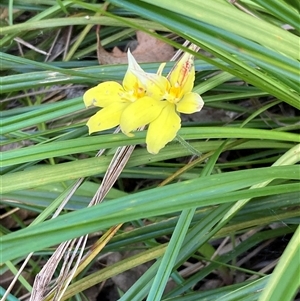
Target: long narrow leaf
217,189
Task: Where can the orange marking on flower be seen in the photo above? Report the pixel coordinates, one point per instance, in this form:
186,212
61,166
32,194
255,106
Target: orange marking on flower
186,68
138,91
146,99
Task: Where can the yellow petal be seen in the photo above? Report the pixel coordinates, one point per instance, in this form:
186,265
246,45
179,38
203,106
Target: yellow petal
107,117
163,129
139,113
132,63
132,84
190,103
188,84
156,86
103,95
183,74
131,81
161,68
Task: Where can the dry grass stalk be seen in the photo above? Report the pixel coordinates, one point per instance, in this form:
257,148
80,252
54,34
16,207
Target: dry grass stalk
42,280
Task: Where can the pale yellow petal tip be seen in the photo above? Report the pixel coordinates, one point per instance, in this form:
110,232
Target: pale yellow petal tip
132,63
126,130
88,98
154,148
90,126
199,103
190,103
90,129
160,69
152,151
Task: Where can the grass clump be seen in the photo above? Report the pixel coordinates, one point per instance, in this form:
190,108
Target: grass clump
214,215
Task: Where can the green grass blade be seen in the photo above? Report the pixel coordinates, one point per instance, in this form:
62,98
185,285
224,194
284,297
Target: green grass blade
178,236
285,281
217,189
206,35
282,10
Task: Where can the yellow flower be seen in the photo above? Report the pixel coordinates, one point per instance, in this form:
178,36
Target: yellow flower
172,96
146,98
114,98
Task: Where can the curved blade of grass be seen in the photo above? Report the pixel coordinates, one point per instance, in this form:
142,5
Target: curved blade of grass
42,113
80,145
45,13
217,189
291,157
59,75
226,16
253,214
178,236
241,289
139,293
201,34
285,281
168,260
113,270
237,251
42,175
82,20
282,10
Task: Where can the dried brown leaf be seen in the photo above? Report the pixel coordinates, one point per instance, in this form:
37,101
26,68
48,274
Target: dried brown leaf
149,49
